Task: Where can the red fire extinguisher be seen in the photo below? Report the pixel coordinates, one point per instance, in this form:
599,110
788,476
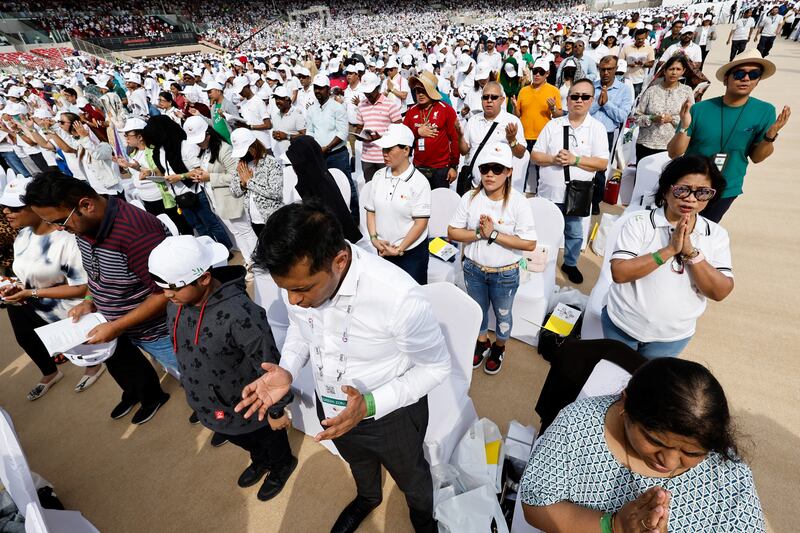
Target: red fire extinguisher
612,188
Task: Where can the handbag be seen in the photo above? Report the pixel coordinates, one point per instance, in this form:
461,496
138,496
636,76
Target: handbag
578,196
464,182
187,200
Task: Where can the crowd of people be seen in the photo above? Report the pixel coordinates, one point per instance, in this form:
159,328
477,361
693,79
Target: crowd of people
132,187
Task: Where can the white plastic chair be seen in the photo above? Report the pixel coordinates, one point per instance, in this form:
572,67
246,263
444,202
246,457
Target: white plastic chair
173,229
15,474
342,182
591,327
647,174
366,191
40,520
290,194
444,203
3,179
452,412
137,203
606,378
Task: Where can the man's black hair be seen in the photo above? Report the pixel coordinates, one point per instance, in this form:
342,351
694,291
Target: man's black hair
53,188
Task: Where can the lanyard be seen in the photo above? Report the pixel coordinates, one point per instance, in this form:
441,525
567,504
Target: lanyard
428,116
722,144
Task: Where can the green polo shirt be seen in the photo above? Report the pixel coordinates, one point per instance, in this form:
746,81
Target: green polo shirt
717,127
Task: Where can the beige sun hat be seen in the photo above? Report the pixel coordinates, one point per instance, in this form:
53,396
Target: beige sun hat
751,57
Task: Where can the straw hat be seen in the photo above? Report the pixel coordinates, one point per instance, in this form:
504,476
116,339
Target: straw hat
751,57
428,81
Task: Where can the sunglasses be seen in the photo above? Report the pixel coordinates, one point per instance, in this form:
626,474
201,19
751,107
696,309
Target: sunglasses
420,90
492,97
494,168
584,97
702,194
539,72
62,223
12,209
739,75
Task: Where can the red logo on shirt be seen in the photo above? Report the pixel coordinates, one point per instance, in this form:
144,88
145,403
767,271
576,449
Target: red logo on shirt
219,415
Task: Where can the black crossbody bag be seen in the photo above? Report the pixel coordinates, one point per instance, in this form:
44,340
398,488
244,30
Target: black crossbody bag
464,182
578,197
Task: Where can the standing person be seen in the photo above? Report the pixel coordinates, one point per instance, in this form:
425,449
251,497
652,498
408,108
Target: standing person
612,105
767,30
433,124
673,37
287,124
493,214
114,239
789,20
704,36
219,106
217,330
741,32
587,154
399,206
255,114
394,356
587,66
375,113
747,127
640,56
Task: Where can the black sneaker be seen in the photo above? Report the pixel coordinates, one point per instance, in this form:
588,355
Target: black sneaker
595,209
193,419
481,351
252,475
573,274
495,360
276,479
352,516
218,440
123,408
146,412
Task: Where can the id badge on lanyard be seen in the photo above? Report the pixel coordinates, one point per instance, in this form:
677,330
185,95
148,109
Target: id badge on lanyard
720,159
329,378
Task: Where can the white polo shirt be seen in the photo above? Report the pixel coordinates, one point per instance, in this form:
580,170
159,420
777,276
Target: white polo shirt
769,25
397,201
291,123
587,140
741,29
664,305
254,111
513,218
477,128
692,51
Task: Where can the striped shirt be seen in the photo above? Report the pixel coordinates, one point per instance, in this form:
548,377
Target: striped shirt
376,117
116,262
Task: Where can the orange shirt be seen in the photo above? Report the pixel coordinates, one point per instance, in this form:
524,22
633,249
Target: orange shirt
534,111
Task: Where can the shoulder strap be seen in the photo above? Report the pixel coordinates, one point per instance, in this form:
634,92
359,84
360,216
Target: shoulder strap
483,142
566,147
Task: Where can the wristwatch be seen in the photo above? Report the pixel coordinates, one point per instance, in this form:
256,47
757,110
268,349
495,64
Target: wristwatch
770,139
492,236
514,144
681,129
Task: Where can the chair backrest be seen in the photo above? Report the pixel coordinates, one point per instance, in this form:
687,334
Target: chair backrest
549,222
15,474
164,218
290,195
137,203
342,182
444,203
3,179
606,378
460,319
366,191
648,171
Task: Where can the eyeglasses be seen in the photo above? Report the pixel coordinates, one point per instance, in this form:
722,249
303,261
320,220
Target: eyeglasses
538,72
492,97
62,223
576,97
494,168
740,74
703,194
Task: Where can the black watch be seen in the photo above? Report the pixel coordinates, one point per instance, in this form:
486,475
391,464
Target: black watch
275,415
770,140
492,236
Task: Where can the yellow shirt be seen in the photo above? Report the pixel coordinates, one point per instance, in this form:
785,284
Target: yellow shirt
534,111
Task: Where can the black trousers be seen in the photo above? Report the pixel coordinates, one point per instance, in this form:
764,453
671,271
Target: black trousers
134,373
414,262
643,151
370,169
737,47
437,177
157,208
704,50
717,210
765,45
394,442
23,321
266,447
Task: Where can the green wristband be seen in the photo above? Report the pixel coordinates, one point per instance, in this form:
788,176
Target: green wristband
370,400
577,160
658,259
88,298
607,523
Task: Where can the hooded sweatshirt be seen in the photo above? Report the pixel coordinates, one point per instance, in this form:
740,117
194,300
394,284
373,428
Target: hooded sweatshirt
220,346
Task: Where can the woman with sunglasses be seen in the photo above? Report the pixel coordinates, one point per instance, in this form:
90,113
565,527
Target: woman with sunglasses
495,222
658,111
52,280
668,262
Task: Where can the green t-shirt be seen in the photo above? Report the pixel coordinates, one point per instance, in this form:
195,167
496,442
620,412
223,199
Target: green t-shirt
527,58
743,126
219,124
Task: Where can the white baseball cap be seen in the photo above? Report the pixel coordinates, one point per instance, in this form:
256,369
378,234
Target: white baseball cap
239,84
498,153
195,128
396,135
281,92
369,82
133,78
213,85
510,69
302,71
241,140
321,80
133,124
392,63
541,63
482,73
622,66
42,113
13,191
16,92
180,260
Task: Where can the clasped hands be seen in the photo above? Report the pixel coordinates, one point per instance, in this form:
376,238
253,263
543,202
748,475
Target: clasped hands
564,158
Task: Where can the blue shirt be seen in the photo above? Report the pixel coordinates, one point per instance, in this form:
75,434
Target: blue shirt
588,67
616,110
326,122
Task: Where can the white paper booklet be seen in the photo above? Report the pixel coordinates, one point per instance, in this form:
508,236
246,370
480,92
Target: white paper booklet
60,336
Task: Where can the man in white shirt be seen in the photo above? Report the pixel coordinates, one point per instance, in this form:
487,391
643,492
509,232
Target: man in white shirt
305,95
254,112
375,348
287,123
639,56
686,47
768,29
587,154
491,56
395,86
740,33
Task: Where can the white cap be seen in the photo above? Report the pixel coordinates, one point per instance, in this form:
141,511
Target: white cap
482,73
497,153
463,63
369,82
687,29
622,66
13,109
240,83
133,78
37,84
351,69
302,71
281,92
42,113
101,79
596,36
396,135
14,190
241,140
133,124
392,63
556,48
16,92
213,85
181,259
407,60
542,63
321,80
510,70
195,128
272,75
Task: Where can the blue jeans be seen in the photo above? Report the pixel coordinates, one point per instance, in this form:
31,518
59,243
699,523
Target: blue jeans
206,222
651,350
495,288
16,164
341,161
161,350
573,238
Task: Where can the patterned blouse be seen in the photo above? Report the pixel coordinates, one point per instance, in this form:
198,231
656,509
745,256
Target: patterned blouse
572,462
654,101
266,186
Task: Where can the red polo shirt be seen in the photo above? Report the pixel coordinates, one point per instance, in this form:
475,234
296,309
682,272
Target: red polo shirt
440,151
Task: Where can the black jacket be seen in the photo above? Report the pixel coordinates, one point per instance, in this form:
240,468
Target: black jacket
220,348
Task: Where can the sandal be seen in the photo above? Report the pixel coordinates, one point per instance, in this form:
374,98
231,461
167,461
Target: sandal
59,359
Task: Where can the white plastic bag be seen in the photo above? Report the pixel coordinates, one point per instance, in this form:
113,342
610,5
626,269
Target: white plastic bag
480,454
599,242
568,296
471,512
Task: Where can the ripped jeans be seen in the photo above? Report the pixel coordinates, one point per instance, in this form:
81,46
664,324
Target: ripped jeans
495,288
